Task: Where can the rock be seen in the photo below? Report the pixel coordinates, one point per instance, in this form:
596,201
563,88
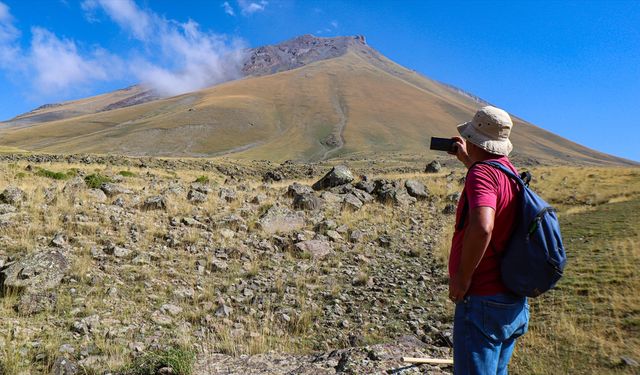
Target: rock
356,236
273,176
433,167
454,197
58,240
259,199
97,195
157,202
362,195
228,195
35,302
111,190
339,175
317,248
64,366
195,196
297,189
227,233
74,185
223,311
366,186
416,189
217,265
116,251
7,220
281,220
6,209
629,362
351,203
36,272
161,319
13,196
307,202
449,209
172,310
334,236
395,193
331,198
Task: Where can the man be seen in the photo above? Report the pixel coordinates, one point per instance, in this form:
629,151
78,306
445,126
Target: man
488,318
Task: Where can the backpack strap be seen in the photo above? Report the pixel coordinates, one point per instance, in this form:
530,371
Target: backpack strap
495,164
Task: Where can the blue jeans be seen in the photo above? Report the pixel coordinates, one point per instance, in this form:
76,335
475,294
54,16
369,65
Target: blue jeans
485,329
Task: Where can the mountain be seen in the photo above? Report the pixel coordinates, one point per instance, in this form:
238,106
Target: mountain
305,99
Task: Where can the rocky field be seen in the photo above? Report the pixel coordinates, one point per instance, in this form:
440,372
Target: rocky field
115,265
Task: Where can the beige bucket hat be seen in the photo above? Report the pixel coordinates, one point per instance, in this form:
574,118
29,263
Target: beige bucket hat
489,130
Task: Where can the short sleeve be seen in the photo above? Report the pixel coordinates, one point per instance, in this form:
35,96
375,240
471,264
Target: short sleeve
482,187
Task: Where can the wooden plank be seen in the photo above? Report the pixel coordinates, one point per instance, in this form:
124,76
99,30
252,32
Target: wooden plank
431,361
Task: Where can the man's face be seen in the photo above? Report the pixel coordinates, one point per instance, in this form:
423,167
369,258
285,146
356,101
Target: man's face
474,151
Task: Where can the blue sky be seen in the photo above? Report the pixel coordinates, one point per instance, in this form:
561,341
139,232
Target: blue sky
572,67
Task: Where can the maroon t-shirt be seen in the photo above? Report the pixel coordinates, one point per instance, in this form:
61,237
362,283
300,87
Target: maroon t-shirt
487,186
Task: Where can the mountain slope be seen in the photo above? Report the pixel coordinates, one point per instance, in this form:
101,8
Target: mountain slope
344,101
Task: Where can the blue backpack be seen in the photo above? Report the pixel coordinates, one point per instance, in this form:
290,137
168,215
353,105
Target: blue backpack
534,258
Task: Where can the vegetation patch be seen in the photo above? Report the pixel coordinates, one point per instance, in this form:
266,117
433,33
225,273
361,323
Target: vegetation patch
179,360
51,174
95,180
202,179
126,174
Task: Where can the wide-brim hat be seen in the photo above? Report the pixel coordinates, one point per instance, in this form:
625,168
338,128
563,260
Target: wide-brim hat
489,130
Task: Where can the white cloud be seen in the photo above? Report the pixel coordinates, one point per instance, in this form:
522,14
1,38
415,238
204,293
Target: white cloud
126,14
249,7
334,24
179,57
57,64
175,57
228,9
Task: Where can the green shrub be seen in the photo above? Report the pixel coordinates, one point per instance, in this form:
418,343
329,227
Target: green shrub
94,180
126,174
73,172
202,180
178,359
51,174
20,175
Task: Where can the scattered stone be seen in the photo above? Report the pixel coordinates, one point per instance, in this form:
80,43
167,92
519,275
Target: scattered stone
307,202
273,176
259,199
351,203
356,236
433,167
449,209
116,251
317,248
58,240
223,311
172,310
111,190
366,186
228,195
64,366
35,302
97,195
195,196
13,196
297,189
339,175
36,272
416,189
281,220
227,233
157,202
6,209
334,236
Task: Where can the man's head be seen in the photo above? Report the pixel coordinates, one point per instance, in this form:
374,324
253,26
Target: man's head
489,130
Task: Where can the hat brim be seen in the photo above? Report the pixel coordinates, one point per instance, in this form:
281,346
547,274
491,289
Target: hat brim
498,147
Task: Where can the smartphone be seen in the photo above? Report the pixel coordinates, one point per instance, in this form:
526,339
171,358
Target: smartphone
443,144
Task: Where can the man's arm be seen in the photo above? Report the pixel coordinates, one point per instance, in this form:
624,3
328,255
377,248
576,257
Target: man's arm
476,240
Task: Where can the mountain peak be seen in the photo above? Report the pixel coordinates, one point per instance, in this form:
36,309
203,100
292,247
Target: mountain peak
297,52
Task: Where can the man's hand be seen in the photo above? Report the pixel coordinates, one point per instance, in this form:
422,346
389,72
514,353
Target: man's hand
461,151
458,288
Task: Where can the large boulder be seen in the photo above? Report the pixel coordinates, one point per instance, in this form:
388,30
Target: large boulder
433,167
338,175
157,202
318,249
35,272
307,202
297,189
13,196
281,220
416,189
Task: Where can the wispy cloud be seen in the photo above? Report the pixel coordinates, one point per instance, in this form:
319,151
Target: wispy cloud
180,56
176,57
228,9
51,64
331,28
249,7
